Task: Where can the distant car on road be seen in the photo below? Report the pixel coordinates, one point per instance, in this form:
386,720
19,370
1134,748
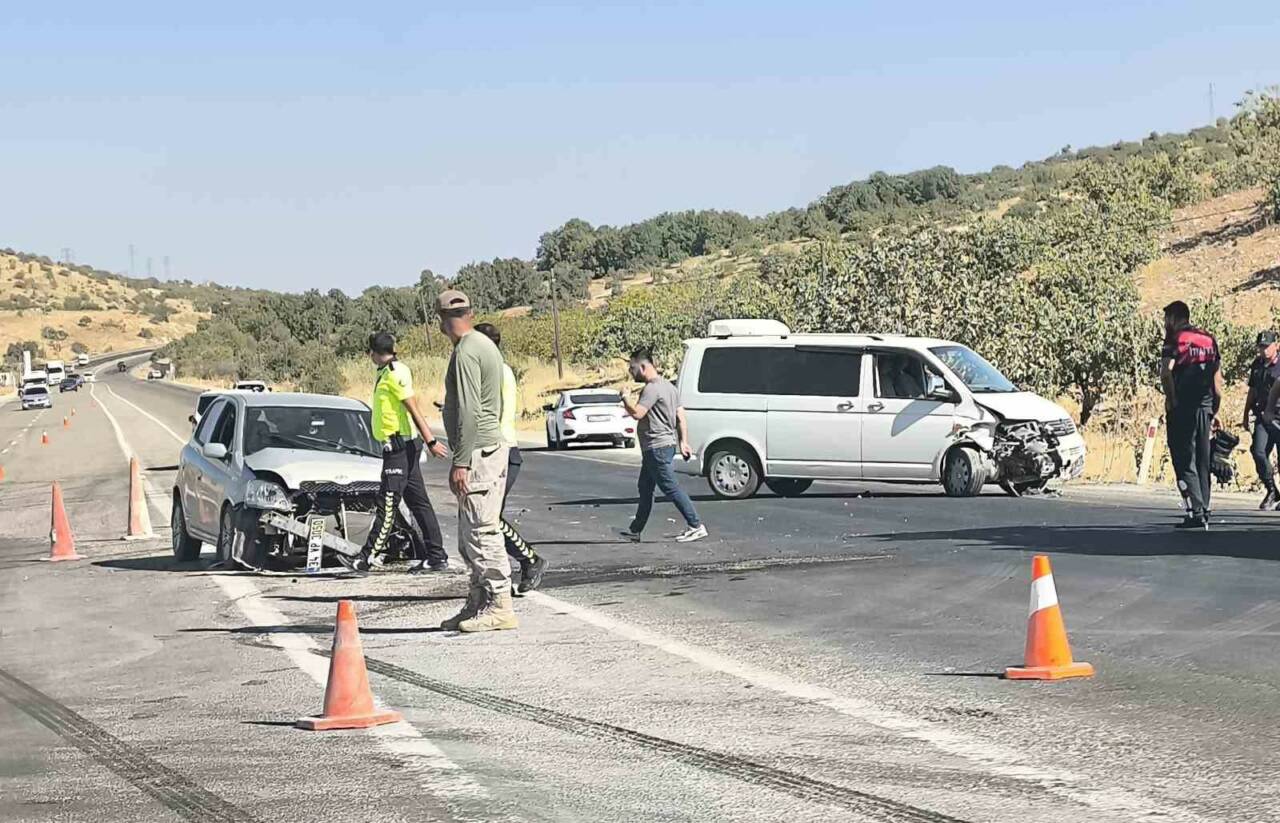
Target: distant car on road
71,382
251,385
589,416
36,397
90,377
154,374
121,367
262,468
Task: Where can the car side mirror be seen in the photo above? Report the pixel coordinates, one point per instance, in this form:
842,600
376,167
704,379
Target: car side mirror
937,389
214,451
549,407
192,419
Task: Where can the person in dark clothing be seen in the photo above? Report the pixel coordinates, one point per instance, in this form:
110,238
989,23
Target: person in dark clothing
1266,435
394,414
1192,379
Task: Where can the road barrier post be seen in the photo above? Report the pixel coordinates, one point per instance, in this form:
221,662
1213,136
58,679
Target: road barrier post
62,544
139,517
1144,468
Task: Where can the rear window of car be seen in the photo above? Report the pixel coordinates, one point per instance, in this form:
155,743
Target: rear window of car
799,370
594,399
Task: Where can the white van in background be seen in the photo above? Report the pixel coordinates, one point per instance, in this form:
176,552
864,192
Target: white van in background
766,405
55,371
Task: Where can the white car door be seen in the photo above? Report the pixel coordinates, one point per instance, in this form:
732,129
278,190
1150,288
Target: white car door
904,427
192,473
221,474
813,422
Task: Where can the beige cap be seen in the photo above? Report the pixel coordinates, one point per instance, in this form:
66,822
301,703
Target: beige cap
452,299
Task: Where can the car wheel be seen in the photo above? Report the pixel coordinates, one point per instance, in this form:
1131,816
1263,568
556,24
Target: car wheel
733,473
226,536
963,473
788,486
551,441
185,547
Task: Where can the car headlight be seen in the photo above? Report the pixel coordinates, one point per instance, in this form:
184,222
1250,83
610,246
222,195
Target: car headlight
263,494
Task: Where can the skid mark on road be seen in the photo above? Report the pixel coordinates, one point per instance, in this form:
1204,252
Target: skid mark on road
583,576
166,786
994,758
870,806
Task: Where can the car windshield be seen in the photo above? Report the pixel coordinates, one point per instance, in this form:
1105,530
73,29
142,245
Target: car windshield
595,398
976,373
34,391
297,427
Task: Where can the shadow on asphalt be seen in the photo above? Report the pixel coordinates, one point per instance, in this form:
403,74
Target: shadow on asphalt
706,497
314,628
1250,538
365,598
155,563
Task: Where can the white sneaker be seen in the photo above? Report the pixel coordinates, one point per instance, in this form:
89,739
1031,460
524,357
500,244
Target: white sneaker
416,565
377,562
692,533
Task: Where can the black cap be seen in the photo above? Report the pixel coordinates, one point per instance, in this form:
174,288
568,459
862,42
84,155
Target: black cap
383,342
1266,338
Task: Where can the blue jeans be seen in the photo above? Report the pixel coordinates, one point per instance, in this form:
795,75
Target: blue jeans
655,470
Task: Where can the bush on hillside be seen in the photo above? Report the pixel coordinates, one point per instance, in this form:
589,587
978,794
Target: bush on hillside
51,333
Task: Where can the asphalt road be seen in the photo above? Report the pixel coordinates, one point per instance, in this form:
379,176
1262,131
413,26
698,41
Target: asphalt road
829,657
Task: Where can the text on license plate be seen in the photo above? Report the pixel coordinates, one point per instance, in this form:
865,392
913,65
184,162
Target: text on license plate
598,418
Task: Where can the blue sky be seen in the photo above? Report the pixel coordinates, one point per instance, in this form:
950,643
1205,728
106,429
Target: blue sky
296,145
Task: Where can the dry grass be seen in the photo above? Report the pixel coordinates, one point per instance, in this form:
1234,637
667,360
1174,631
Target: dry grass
537,380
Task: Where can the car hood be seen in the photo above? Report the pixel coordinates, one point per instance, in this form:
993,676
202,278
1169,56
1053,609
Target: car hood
297,466
1022,405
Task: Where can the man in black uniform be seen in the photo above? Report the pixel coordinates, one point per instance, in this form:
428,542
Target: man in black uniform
1266,436
1192,379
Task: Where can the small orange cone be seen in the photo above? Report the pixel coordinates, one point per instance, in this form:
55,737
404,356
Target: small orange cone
1048,654
63,544
348,701
139,517
66,422
44,438
1,472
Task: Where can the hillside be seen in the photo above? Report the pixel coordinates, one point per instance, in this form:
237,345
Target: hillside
62,309
1219,250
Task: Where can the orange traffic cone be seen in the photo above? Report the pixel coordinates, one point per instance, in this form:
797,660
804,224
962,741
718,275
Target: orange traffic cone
66,422
1,472
44,438
63,544
348,702
1048,654
139,517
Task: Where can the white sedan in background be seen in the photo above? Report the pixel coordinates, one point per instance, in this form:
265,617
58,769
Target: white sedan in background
589,416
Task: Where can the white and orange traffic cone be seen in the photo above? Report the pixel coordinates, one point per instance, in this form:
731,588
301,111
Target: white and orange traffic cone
1048,655
62,544
348,701
139,517
44,438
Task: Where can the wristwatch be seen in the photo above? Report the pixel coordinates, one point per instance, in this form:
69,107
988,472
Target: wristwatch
431,444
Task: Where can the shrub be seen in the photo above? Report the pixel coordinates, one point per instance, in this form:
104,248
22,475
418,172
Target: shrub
50,333
145,333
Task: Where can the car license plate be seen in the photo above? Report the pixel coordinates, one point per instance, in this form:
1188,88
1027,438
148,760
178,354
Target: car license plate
315,543
599,418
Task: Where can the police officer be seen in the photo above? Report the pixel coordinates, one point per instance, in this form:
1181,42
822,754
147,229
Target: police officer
394,403
1192,379
1266,435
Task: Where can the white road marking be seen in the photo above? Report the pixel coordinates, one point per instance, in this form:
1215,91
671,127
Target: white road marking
149,416
435,772
994,758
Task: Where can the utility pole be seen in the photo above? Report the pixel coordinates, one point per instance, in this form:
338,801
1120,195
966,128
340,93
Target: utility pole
1213,116
555,324
148,268
131,260
166,267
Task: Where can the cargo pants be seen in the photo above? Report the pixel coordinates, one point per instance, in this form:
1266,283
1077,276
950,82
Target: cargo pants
480,540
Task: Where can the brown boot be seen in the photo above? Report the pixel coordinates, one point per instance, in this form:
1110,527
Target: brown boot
496,614
475,599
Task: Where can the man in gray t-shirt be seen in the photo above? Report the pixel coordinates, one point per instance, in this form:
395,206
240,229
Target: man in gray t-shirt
661,430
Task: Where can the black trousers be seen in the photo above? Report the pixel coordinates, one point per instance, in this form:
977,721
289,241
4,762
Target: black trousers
402,479
1266,439
1191,448
517,548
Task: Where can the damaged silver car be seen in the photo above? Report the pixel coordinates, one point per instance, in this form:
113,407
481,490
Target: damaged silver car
277,480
